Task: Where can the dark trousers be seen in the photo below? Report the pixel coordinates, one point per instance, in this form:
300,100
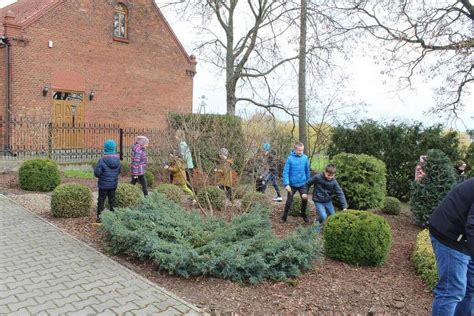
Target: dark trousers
103,194
261,184
142,181
289,201
189,176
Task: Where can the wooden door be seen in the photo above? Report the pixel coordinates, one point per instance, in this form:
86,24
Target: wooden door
68,120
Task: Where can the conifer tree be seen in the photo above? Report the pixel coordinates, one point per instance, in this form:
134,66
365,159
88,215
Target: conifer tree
440,178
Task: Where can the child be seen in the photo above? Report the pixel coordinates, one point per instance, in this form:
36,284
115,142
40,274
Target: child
224,172
176,167
419,169
460,170
108,171
185,153
272,167
139,162
325,185
295,174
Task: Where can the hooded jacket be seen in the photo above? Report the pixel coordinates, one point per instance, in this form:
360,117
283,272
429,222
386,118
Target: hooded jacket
324,189
139,160
296,171
452,222
108,171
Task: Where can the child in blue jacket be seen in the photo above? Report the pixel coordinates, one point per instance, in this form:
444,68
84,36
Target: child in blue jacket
295,174
108,171
325,185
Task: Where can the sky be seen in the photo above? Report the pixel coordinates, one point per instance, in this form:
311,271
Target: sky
366,83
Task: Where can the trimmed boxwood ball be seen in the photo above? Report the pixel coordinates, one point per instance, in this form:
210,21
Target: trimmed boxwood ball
295,209
171,191
39,175
128,195
357,237
392,206
252,199
71,200
150,178
424,259
216,197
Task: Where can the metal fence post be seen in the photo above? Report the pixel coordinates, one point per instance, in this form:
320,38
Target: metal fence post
121,142
50,140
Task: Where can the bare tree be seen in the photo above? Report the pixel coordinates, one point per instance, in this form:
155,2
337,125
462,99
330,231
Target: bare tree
302,75
426,36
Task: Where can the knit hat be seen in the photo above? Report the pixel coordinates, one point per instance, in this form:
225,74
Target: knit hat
142,140
109,147
266,146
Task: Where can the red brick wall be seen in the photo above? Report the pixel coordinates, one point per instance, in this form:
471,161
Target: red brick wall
135,83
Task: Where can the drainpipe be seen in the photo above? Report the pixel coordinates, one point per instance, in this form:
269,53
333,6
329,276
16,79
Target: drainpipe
4,42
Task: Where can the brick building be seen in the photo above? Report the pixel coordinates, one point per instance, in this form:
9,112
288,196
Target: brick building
108,61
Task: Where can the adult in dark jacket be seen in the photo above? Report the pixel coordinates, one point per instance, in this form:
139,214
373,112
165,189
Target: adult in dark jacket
452,236
325,185
108,171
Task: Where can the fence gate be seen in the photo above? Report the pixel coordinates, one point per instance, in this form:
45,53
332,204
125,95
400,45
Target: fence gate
67,119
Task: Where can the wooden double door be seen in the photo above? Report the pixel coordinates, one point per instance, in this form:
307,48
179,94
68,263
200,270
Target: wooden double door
68,120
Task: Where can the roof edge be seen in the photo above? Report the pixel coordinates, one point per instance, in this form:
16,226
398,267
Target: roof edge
173,34
30,20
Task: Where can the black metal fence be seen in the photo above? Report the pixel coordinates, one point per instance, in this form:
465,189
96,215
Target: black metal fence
23,137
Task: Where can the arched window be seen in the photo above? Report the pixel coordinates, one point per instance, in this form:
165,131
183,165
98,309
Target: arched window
120,21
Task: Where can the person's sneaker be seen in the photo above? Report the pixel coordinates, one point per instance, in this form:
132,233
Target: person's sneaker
283,219
97,222
278,199
305,218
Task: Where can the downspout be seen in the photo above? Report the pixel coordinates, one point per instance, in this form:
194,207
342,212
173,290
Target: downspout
6,44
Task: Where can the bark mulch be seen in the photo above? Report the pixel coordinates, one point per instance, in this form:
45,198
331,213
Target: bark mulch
330,288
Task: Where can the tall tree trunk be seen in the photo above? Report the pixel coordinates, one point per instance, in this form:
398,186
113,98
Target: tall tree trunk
302,76
230,80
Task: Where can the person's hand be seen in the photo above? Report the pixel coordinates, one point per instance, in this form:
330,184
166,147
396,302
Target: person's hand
304,196
135,177
288,188
166,167
215,169
344,209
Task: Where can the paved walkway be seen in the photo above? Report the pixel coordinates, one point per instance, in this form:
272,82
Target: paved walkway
44,271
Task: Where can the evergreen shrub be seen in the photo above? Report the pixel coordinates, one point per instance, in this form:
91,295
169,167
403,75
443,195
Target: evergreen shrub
357,237
124,168
424,259
252,199
71,200
150,178
362,179
426,194
211,196
128,195
39,175
171,191
392,206
188,244
243,189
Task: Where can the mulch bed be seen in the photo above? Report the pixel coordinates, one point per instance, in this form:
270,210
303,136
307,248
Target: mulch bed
331,287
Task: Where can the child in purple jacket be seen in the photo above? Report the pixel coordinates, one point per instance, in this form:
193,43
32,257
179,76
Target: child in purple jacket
139,162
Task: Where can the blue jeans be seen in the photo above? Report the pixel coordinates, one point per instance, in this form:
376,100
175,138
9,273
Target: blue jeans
454,292
324,210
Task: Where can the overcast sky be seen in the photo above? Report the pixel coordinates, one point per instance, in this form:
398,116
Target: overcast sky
366,82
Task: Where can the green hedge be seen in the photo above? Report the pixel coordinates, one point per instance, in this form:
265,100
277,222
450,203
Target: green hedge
424,259
187,244
215,131
71,200
357,237
362,179
39,175
398,145
295,209
150,178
